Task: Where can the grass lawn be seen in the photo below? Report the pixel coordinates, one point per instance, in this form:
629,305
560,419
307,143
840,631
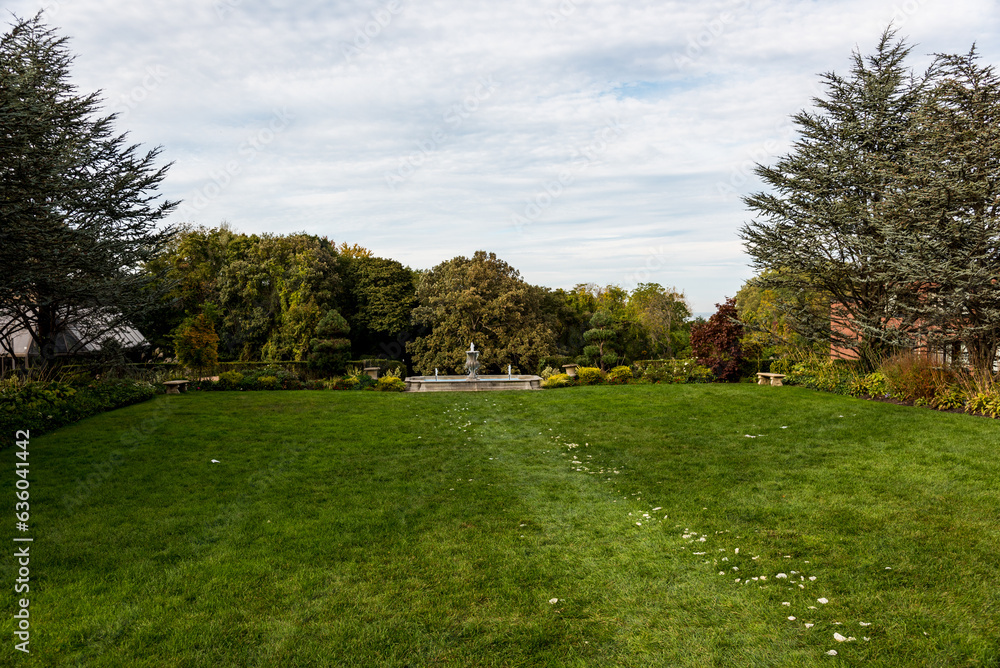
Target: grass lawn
631,526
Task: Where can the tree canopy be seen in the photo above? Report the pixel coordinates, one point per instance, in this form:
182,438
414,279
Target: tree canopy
480,300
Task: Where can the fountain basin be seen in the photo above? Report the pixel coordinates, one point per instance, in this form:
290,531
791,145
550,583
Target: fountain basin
477,384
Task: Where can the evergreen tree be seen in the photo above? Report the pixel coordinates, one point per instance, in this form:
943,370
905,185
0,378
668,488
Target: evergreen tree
331,349
599,339
944,244
825,225
78,209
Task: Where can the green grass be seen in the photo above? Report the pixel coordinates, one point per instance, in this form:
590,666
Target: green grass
369,529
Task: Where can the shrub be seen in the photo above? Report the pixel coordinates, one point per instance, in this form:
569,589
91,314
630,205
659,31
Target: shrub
267,383
41,406
673,371
910,377
589,375
555,362
818,373
547,373
656,373
620,375
985,403
230,380
782,366
345,383
390,384
872,385
557,380
331,348
948,397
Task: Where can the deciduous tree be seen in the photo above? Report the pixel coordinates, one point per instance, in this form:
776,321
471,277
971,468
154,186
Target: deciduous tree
480,300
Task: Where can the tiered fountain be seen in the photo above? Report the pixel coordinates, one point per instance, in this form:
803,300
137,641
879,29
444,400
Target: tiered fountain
472,382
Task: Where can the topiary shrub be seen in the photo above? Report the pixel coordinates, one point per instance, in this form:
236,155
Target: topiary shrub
589,375
557,380
390,384
620,375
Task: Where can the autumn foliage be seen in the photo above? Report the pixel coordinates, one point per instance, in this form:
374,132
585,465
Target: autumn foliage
716,343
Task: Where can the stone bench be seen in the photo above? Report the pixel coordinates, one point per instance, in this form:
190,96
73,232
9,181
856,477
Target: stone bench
176,386
770,379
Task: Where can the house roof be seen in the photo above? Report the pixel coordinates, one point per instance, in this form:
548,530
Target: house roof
69,339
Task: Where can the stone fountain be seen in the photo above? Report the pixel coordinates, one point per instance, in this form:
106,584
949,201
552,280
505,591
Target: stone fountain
472,382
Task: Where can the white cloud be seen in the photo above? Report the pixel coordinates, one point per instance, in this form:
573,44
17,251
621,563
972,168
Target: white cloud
702,91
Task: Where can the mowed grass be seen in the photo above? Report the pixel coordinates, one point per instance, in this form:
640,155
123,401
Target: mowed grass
369,529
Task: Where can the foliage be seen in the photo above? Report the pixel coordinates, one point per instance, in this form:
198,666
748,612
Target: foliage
911,377
620,375
230,380
985,403
381,295
557,380
196,343
555,362
480,300
778,321
948,397
589,375
717,343
42,406
330,349
943,242
78,210
385,366
390,384
662,312
267,383
870,385
673,371
272,291
783,365
823,228
821,373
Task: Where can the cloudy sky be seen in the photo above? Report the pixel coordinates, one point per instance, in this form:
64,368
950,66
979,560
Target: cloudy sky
580,140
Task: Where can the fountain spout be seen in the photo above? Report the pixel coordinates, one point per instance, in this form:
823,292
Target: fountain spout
472,361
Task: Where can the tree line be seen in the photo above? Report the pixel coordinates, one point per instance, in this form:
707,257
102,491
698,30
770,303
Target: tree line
301,297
